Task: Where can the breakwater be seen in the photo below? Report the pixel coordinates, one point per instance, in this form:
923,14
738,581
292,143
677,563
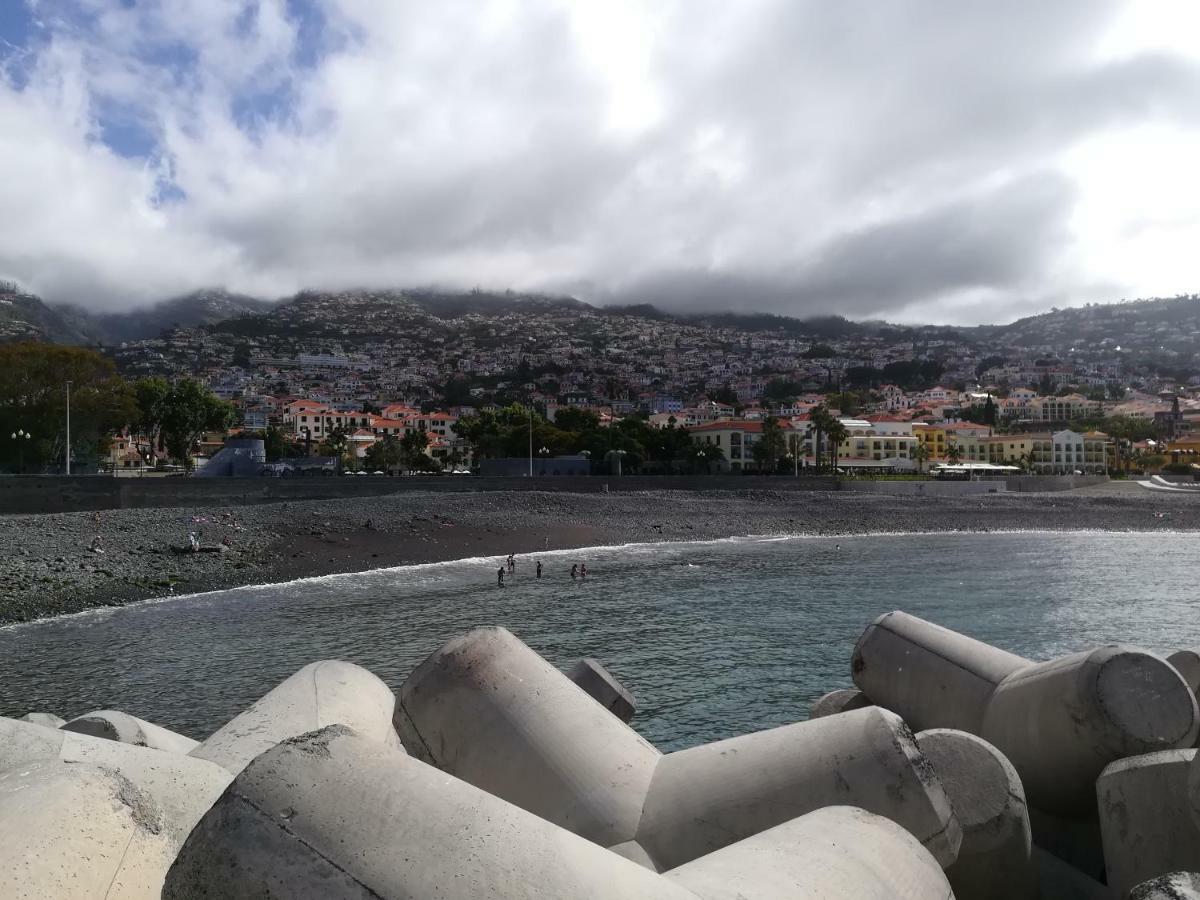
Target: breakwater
489,772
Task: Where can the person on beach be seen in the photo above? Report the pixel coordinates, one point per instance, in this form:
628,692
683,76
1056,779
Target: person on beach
500,577
574,571
539,568
512,564
583,571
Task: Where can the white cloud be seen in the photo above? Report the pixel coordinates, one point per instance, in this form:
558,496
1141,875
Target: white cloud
926,161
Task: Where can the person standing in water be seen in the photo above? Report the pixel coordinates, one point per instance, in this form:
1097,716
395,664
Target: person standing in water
539,568
512,564
583,571
574,571
500,577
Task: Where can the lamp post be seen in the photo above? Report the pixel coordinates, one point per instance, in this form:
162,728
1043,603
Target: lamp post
530,440
20,436
619,454
68,453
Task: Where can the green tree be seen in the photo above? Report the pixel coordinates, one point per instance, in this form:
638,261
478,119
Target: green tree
920,455
821,421
151,395
954,453
188,411
276,444
705,456
33,399
384,455
724,395
771,445
413,447
337,441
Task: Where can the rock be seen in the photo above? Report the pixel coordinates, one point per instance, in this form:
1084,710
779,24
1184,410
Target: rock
599,684
126,729
1172,886
324,693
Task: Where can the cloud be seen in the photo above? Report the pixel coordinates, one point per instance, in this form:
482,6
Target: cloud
789,155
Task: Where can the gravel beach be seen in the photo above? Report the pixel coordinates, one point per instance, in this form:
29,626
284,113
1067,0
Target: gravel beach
47,566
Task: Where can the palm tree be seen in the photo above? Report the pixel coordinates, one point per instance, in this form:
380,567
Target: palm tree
820,419
954,453
837,433
920,455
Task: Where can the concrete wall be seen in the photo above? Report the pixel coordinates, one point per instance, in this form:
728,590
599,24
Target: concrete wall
924,488
49,493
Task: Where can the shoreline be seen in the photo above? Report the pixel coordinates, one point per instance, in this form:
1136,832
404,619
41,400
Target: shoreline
47,568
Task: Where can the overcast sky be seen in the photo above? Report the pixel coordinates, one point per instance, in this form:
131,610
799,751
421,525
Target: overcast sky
925,160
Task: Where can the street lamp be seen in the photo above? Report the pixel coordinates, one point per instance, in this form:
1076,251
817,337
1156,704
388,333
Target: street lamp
619,454
20,436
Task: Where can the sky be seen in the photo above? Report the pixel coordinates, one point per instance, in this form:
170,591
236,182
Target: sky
920,161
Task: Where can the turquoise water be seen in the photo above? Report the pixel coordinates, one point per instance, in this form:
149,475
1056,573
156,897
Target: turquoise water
714,638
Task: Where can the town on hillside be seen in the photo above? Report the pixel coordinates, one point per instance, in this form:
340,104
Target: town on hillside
395,382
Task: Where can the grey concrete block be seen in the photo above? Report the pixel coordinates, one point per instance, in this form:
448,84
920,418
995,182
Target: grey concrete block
838,852
487,709
995,858
708,797
599,684
1187,664
333,815
1172,886
1058,880
330,692
1146,818
838,702
46,720
112,725
1059,723
1076,842
182,787
932,676
72,830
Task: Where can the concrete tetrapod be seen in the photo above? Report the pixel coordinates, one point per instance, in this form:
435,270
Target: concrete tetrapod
707,797
835,852
1146,818
330,692
1187,664
183,788
1059,723
599,684
71,831
995,860
1172,886
1058,880
837,702
488,710
126,729
332,815
46,720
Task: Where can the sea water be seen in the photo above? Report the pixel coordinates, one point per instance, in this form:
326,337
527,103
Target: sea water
714,638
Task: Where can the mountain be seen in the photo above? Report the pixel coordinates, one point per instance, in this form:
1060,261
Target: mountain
189,311
26,317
